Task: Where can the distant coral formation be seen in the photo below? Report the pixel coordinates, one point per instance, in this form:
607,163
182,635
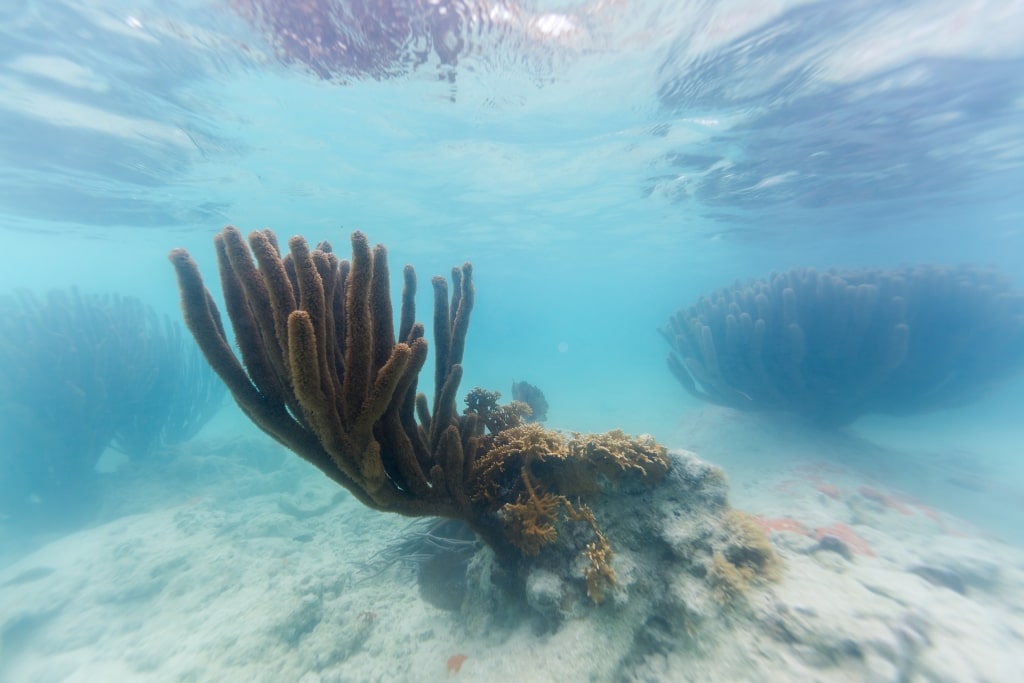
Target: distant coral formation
524,392
83,372
835,345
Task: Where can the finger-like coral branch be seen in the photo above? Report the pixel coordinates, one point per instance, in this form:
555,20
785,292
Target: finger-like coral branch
323,376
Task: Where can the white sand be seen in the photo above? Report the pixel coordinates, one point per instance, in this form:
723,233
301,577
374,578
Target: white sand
225,572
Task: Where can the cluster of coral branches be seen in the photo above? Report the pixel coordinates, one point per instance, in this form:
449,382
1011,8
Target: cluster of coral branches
835,345
324,371
81,373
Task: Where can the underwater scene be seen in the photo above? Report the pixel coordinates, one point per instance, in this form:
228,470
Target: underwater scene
512,340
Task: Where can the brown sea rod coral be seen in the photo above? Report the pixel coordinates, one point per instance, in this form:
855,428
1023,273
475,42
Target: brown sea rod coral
323,370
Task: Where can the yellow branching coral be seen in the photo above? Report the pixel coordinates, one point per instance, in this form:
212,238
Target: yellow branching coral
615,453
599,573
504,456
514,458
530,524
575,465
496,417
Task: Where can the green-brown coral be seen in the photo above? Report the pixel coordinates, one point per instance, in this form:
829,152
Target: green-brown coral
581,467
599,573
743,558
575,466
530,524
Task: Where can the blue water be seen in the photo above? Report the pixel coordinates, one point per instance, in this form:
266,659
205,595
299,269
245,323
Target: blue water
601,164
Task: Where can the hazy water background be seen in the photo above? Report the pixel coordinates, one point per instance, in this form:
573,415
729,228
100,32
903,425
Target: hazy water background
601,163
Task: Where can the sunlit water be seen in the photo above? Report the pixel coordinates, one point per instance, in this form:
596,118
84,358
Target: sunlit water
601,163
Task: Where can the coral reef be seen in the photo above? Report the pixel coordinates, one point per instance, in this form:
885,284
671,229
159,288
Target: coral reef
674,555
838,344
84,372
323,372
496,417
524,392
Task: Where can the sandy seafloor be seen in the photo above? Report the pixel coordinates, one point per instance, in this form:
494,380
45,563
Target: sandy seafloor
235,561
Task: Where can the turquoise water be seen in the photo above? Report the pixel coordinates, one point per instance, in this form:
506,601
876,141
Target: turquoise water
602,164
599,177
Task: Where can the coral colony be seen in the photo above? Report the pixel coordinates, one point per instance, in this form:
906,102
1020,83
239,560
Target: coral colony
835,345
324,372
83,372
